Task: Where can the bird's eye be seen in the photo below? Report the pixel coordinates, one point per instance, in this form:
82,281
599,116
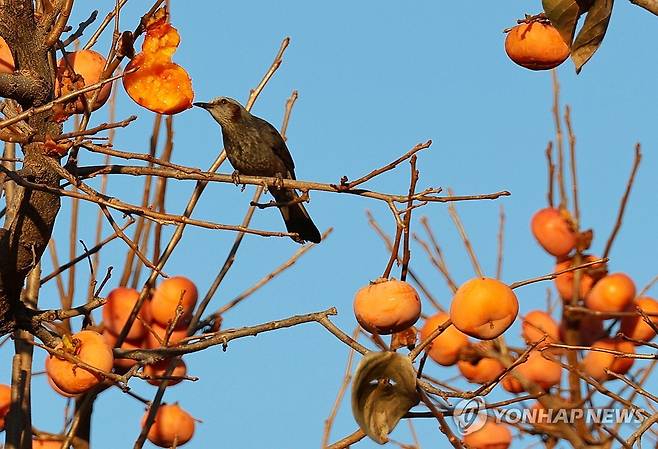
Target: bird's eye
223,101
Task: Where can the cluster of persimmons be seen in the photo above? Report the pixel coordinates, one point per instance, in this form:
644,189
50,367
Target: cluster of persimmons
78,363
151,78
484,308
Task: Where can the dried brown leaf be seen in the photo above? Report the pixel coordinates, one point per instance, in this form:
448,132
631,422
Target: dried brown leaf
591,35
383,391
564,15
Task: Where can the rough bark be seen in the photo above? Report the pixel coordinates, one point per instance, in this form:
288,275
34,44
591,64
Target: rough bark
25,236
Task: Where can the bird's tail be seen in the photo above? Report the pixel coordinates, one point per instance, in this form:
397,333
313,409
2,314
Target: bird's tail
295,216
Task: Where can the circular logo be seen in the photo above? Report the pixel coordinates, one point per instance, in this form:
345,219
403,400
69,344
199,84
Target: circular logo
469,415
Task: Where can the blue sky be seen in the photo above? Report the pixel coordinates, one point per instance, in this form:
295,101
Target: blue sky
374,79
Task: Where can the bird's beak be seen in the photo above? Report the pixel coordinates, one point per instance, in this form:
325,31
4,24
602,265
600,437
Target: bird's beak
202,105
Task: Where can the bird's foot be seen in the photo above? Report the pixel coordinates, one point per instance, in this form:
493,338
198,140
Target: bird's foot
235,177
279,181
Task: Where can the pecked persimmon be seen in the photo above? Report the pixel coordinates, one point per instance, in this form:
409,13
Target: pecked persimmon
553,230
538,323
79,69
634,326
386,306
117,309
536,46
564,281
168,295
490,436
596,362
538,369
88,346
6,58
172,425
613,293
5,402
483,371
159,84
445,348
157,370
484,308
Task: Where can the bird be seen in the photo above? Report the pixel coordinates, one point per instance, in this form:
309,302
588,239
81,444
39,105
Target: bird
255,148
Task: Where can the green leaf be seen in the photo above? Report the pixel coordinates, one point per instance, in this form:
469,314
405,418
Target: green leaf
592,33
383,391
564,15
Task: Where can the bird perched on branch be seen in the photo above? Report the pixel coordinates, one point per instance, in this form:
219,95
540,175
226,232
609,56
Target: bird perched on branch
255,148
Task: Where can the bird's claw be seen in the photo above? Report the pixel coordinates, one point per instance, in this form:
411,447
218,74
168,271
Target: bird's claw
235,177
279,181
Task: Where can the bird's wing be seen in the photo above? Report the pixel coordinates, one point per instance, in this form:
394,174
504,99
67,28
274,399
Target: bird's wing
278,145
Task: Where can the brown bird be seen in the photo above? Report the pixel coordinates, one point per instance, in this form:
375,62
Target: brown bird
255,148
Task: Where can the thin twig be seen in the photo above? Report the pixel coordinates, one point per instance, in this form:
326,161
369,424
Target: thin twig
624,201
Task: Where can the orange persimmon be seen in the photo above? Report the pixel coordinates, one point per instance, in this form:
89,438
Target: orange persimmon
172,425
157,370
553,231
634,326
483,308
538,323
596,362
445,348
168,295
536,46
88,346
613,293
386,306
5,402
6,58
484,370
117,309
490,436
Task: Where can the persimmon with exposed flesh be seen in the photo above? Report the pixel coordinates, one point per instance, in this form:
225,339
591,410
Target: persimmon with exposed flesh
635,326
613,293
386,306
79,69
490,436
156,372
538,369
596,362
159,84
536,325
168,295
484,308
172,425
445,348
117,309
536,46
588,276
89,347
482,371
5,402
6,58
